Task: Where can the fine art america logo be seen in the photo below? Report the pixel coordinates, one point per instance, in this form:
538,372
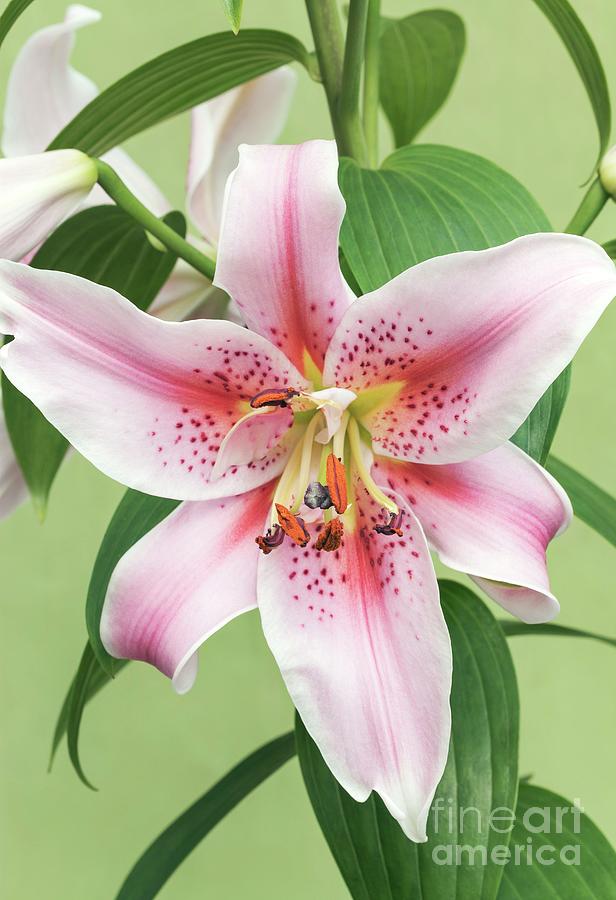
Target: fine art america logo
543,835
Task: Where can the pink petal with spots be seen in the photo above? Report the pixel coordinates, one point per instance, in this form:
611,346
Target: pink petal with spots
13,490
363,647
467,343
492,517
252,438
278,250
183,581
252,113
148,402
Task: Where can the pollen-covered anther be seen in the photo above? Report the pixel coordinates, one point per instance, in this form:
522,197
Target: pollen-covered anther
317,496
393,525
336,483
270,397
272,538
293,526
330,536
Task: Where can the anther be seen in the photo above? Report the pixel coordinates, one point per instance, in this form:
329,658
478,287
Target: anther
330,536
317,496
273,398
293,526
272,538
336,483
393,526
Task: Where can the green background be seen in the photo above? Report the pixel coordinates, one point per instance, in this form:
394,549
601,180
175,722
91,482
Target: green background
519,102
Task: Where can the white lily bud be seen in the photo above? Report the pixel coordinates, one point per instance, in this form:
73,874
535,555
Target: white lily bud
607,172
37,193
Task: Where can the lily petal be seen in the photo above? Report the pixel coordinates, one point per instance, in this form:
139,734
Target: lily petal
278,251
252,113
44,92
491,517
38,192
13,490
461,347
147,401
362,645
183,581
252,438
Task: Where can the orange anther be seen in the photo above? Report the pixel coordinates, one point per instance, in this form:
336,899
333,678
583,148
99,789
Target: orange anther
273,398
330,536
336,482
293,526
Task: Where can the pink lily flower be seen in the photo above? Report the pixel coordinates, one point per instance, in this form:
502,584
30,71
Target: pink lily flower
44,93
319,452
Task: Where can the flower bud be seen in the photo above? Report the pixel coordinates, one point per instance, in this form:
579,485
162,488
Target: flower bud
37,193
607,172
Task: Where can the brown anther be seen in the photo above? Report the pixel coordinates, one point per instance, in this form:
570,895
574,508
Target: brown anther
273,398
330,536
336,482
293,526
272,538
393,526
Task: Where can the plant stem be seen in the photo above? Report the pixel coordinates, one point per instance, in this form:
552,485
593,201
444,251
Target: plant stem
354,141
329,44
592,203
113,185
371,81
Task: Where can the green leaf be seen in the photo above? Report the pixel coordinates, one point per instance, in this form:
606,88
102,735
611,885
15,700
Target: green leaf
428,200
135,515
233,9
536,434
593,878
105,245
591,503
89,679
610,249
10,15
171,848
175,82
584,54
514,628
425,201
374,857
419,59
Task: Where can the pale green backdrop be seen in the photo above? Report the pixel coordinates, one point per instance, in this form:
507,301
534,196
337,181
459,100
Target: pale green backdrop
519,102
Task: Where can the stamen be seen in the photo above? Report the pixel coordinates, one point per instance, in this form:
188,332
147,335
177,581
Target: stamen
330,536
336,483
317,496
293,526
270,397
362,470
272,538
393,526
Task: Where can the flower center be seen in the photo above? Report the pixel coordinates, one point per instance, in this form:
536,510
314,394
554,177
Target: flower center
317,487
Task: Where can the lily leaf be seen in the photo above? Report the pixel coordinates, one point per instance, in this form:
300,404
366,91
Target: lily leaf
586,59
419,59
549,831
176,81
10,15
171,848
514,628
372,853
591,503
428,200
105,245
233,9
89,679
135,515
610,249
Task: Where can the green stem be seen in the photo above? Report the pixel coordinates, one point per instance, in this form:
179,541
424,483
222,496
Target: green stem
593,202
113,185
329,44
354,141
371,81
